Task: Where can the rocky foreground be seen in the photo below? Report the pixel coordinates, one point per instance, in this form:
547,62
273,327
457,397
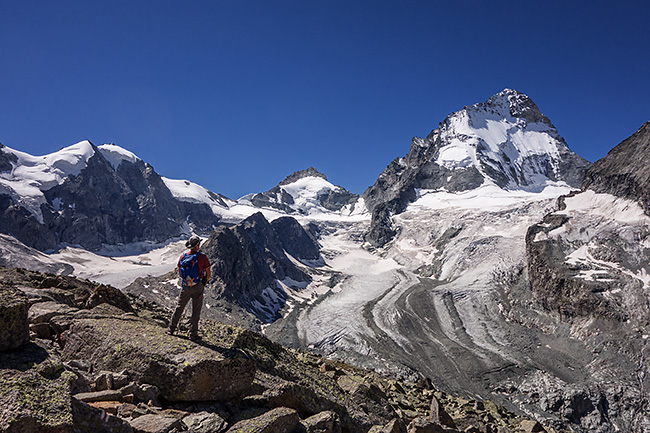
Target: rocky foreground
80,357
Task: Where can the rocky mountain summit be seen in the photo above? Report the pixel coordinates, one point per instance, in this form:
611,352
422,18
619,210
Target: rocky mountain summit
505,141
79,357
305,192
90,196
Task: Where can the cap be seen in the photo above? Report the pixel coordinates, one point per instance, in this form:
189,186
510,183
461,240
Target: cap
193,241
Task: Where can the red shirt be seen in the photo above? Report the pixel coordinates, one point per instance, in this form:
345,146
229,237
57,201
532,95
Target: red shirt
204,263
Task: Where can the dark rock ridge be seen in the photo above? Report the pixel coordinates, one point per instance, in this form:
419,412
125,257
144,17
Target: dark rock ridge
103,205
624,171
508,164
590,267
248,261
333,199
107,366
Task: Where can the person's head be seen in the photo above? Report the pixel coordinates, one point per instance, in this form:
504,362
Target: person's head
193,243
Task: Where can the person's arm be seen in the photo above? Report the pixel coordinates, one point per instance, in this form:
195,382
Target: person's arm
206,267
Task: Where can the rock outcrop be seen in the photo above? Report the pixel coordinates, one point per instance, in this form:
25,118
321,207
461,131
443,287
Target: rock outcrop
14,326
250,270
181,370
589,263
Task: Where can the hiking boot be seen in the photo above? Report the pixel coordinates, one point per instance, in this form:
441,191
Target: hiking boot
195,337
169,331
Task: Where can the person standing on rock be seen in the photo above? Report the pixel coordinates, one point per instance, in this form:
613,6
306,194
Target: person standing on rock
194,270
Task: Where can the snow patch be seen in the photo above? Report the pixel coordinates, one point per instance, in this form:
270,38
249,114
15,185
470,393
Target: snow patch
115,154
605,205
33,174
487,197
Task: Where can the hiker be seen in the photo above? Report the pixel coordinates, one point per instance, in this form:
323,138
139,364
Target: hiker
194,270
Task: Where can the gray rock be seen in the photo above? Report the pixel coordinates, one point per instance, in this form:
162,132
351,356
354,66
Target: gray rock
31,403
282,393
205,422
531,426
108,380
295,240
438,414
324,422
154,424
41,330
105,395
279,420
43,312
424,425
394,426
181,369
14,324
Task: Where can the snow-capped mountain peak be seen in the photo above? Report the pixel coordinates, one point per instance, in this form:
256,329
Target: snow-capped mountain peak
507,140
504,142
116,154
305,192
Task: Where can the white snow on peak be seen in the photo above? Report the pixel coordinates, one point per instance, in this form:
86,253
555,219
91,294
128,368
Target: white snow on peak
31,175
116,154
191,192
489,133
305,193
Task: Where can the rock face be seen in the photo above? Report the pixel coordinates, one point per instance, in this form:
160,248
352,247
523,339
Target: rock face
624,171
85,196
304,192
14,326
250,268
505,141
589,263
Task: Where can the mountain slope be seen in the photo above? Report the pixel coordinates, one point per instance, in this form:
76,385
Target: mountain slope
91,196
624,171
590,263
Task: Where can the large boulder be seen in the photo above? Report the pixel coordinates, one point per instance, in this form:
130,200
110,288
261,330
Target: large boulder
14,325
181,369
33,404
279,420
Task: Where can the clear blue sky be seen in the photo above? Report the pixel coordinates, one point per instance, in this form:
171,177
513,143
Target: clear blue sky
237,94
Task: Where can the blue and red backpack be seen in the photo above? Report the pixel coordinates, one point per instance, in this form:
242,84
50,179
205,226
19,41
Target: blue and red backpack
189,269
